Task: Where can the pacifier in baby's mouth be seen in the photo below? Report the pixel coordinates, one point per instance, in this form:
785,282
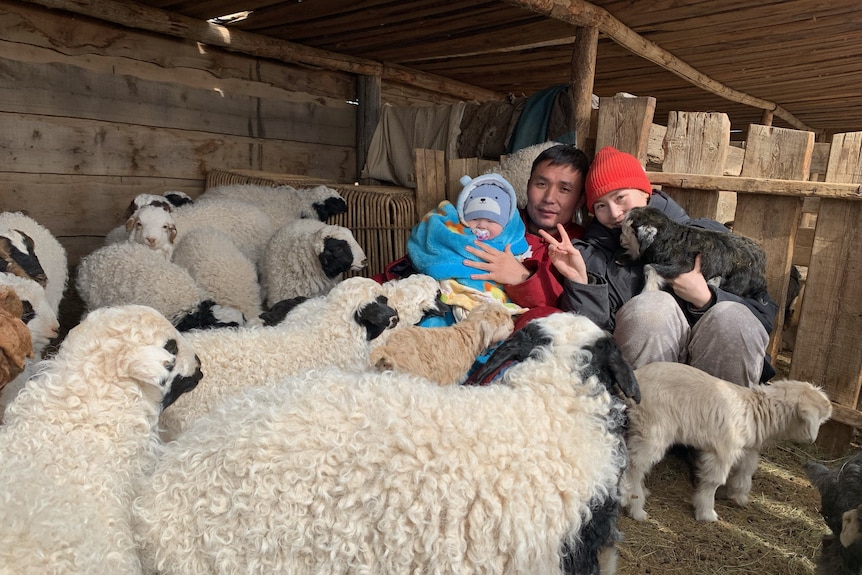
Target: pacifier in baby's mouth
481,234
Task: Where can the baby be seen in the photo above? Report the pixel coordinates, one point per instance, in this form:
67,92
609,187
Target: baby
486,210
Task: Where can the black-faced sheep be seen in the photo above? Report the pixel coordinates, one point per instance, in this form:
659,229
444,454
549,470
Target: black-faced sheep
307,258
840,501
343,324
50,253
248,226
221,269
130,273
78,439
336,472
667,249
444,354
18,257
728,424
284,203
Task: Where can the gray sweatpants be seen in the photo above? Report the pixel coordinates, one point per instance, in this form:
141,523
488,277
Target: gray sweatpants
727,342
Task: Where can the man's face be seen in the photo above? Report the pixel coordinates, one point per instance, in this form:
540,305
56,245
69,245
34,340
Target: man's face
554,192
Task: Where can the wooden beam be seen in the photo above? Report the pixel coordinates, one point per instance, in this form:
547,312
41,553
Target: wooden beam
581,13
583,75
757,185
134,15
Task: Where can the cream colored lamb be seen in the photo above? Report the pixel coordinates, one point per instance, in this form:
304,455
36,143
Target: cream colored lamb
727,424
444,354
80,436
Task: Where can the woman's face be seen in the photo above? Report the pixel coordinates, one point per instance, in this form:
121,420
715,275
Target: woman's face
611,209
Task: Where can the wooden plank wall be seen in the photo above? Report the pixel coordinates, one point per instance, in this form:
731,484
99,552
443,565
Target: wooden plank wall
92,114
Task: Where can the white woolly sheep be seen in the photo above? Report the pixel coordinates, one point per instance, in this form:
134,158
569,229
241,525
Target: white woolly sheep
49,251
284,204
345,320
247,225
307,258
40,317
444,354
130,273
516,168
840,502
153,226
335,472
727,424
78,439
221,270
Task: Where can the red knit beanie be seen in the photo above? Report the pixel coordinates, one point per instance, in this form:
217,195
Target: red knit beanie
614,170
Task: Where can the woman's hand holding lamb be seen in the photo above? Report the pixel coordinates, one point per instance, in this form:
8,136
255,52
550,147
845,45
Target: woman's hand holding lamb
502,267
691,286
565,257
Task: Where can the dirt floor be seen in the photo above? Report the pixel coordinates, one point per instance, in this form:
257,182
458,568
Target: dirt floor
778,533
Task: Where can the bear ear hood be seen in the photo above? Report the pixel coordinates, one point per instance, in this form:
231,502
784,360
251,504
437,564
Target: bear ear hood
474,201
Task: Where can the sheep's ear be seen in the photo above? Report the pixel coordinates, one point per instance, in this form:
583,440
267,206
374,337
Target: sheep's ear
613,369
172,233
129,224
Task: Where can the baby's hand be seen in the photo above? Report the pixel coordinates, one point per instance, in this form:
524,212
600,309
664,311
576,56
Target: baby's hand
566,258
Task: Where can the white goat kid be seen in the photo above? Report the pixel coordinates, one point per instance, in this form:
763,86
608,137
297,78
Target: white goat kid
728,425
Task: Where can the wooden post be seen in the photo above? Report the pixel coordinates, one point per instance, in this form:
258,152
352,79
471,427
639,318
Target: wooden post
624,123
773,221
766,117
430,166
583,76
696,143
827,349
367,117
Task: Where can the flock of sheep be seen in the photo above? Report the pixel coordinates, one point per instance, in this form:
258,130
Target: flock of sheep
231,404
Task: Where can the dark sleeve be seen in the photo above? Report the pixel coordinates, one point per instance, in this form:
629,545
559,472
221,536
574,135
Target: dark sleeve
591,300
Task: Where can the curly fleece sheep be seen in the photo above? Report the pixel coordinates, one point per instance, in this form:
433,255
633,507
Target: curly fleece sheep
307,258
344,321
79,437
131,273
334,472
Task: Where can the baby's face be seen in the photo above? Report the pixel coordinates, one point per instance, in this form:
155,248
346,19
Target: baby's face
485,229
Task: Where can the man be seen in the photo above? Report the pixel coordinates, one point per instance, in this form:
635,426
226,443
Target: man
555,191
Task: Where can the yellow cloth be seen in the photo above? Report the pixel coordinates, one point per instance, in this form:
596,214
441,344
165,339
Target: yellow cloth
456,294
